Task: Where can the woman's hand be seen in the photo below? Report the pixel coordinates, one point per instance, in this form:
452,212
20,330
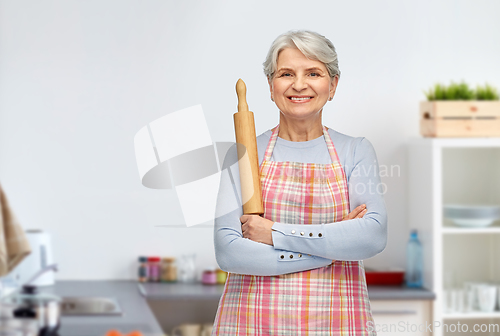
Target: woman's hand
257,228
359,212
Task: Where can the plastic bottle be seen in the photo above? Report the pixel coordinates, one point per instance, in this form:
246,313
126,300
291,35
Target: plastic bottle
414,262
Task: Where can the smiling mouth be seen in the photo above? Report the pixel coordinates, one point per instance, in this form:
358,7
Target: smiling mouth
299,99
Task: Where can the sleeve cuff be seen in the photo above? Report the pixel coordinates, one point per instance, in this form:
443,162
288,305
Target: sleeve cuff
287,256
294,234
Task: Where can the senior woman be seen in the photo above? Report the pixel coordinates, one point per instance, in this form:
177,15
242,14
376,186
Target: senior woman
298,270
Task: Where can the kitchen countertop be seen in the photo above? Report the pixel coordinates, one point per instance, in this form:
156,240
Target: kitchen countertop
136,312
399,293
165,291
137,315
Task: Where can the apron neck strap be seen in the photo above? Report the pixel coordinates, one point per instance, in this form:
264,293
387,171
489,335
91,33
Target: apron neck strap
274,137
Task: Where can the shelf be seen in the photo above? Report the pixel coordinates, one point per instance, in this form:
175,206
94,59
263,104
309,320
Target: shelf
454,171
483,230
471,315
458,142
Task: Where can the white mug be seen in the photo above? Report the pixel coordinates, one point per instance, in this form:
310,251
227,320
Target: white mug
470,301
460,301
487,295
187,330
474,287
446,301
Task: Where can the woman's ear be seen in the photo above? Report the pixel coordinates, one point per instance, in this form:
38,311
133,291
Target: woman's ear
270,88
333,86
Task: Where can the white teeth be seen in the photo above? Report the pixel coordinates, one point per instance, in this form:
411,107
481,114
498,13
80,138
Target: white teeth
301,98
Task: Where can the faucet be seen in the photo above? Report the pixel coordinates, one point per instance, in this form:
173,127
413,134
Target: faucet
52,267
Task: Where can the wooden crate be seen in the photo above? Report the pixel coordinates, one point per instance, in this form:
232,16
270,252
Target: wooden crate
460,118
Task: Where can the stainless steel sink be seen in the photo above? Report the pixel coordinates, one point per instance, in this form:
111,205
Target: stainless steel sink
85,306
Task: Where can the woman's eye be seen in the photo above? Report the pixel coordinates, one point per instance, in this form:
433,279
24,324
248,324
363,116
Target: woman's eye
314,74
285,74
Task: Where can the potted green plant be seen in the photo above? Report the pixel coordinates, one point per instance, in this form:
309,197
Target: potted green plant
457,110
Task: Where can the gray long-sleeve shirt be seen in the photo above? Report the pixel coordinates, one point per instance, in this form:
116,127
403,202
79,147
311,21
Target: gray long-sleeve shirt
355,239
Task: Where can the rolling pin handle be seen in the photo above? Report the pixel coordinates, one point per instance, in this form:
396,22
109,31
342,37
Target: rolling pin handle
241,91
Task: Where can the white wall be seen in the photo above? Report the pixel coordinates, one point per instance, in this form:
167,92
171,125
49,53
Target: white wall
78,79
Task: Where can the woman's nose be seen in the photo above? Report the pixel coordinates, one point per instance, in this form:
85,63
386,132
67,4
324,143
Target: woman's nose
299,83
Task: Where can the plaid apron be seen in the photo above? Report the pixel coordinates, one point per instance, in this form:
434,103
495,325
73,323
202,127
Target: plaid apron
331,300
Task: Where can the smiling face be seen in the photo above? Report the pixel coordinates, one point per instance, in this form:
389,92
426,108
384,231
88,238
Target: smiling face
300,86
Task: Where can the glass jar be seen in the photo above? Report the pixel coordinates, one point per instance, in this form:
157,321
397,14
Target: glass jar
221,276
187,268
169,270
154,269
208,277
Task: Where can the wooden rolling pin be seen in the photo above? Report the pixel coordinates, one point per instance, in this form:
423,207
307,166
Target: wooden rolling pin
244,128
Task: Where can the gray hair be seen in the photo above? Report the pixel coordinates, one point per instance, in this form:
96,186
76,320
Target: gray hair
312,45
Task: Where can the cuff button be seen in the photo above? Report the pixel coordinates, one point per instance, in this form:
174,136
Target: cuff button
300,255
302,233
291,256
282,256
310,234
293,231
320,234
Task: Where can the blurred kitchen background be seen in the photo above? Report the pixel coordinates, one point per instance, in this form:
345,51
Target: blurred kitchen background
78,79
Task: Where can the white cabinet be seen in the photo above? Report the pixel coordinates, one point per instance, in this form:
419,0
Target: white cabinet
455,171
402,317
